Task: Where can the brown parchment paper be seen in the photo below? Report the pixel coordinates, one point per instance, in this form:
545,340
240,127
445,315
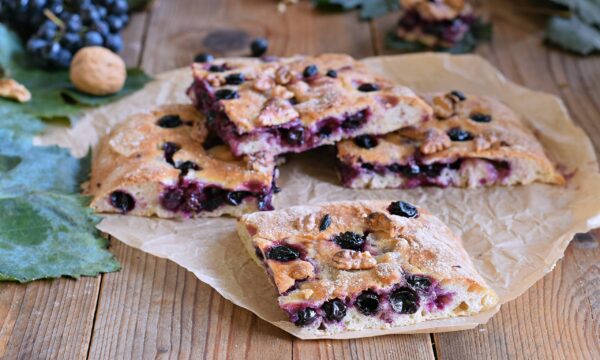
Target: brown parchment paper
514,235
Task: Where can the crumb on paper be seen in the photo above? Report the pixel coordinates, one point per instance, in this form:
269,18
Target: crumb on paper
11,89
283,4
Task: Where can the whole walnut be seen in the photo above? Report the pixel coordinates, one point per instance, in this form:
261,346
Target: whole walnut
98,71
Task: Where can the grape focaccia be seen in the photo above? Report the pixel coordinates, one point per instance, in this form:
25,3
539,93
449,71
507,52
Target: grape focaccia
280,105
438,24
163,163
473,141
364,265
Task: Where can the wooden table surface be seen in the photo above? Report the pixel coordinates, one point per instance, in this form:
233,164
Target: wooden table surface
153,308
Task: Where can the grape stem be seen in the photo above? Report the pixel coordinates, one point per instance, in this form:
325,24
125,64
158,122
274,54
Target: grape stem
50,15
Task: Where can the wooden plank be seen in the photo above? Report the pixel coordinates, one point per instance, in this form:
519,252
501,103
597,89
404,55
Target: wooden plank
380,348
133,39
559,316
53,319
47,319
154,308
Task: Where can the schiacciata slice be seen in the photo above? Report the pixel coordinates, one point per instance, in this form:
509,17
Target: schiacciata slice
280,105
350,266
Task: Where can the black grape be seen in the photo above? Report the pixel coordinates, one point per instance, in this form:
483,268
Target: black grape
54,30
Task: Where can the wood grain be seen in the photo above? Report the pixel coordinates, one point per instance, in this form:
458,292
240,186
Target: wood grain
47,319
384,347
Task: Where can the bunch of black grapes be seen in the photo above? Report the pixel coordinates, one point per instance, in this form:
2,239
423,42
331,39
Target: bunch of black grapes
56,29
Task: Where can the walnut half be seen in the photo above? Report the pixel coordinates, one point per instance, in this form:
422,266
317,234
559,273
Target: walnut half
11,89
443,106
285,274
353,260
435,141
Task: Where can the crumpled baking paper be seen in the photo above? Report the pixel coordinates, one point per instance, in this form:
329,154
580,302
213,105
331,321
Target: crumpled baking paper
514,235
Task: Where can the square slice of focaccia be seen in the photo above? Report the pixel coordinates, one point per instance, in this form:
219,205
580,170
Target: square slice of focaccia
349,266
473,141
164,163
281,105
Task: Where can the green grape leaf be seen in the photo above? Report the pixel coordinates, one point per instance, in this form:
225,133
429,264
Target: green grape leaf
393,42
587,11
573,34
47,235
46,88
7,163
38,168
10,46
466,45
138,5
481,30
567,3
339,5
19,124
53,95
375,8
46,229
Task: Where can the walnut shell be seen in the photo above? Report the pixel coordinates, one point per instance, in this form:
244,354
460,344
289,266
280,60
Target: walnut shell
98,71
